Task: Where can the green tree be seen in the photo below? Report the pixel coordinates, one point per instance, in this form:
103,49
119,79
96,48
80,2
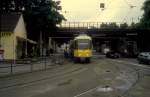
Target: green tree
145,21
104,25
8,6
113,25
124,25
42,15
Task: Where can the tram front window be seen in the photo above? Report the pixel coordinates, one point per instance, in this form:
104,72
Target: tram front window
83,44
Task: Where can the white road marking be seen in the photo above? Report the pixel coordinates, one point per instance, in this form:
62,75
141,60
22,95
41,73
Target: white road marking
90,90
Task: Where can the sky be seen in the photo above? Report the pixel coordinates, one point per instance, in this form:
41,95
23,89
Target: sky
90,11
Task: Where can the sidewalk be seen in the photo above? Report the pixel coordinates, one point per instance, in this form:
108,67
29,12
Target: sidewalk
35,64
29,78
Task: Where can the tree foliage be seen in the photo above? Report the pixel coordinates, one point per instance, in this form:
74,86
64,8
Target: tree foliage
8,6
40,15
145,21
124,25
112,25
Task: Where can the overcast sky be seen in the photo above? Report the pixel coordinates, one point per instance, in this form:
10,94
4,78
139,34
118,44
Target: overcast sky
89,10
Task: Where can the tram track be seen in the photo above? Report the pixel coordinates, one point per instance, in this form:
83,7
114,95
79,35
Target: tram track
137,69
135,83
103,78
119,68
71,68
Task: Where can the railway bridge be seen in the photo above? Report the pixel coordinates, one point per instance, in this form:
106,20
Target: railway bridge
120,39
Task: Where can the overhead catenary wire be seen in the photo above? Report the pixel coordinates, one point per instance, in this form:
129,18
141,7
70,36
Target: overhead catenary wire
129,11
127,3
101,12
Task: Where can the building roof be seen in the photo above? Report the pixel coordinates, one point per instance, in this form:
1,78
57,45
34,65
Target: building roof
8,22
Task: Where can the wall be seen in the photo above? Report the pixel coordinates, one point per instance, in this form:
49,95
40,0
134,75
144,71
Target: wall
20,30
8,42
21,36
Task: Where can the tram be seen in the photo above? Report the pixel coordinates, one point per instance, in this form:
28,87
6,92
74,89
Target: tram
81,48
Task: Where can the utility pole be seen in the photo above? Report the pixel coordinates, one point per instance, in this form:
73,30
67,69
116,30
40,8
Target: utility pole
41,44
0,39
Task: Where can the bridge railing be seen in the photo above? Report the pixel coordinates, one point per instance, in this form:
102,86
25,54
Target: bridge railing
88,25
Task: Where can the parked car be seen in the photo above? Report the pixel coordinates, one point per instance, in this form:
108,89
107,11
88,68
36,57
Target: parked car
144,57
112,54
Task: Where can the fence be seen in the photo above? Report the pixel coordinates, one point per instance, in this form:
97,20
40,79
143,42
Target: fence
30,65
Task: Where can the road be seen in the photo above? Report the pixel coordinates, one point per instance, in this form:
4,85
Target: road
101,78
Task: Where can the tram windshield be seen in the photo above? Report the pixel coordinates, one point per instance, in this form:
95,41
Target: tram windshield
83,44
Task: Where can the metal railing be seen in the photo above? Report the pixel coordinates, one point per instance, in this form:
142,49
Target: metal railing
30,65
87,25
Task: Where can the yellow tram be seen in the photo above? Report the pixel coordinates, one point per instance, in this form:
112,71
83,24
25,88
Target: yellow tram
81,48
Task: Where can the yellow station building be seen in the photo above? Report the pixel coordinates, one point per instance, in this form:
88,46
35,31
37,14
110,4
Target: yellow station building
13,36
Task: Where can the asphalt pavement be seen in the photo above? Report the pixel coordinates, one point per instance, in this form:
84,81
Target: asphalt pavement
101,78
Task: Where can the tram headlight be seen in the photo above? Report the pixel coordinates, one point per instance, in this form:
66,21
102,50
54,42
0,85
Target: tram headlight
87,54
80,55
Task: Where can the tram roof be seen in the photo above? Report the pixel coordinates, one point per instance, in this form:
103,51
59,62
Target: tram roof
84,36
